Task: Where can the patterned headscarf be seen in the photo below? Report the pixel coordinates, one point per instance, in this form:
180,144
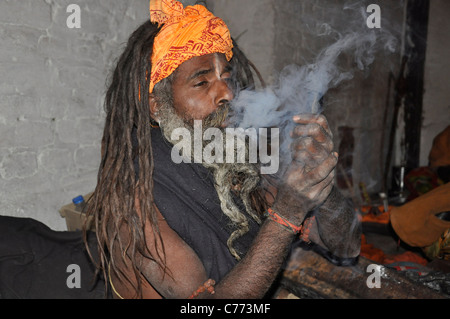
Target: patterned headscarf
185,33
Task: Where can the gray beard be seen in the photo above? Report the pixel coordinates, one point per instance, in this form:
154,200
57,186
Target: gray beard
242,178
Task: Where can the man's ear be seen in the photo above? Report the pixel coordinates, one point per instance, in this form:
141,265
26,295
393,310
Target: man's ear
153,107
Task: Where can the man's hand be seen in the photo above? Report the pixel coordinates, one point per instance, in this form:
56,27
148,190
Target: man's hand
309,179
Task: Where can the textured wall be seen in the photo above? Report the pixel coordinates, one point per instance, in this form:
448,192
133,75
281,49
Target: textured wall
51,99
252,25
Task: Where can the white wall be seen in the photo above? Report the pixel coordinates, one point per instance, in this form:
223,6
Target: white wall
51,99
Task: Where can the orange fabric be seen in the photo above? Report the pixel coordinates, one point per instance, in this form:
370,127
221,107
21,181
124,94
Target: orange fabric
369,251
382,218
185,33
440,151
415,222
377,255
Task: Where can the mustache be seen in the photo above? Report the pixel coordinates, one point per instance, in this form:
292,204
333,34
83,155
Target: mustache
217,118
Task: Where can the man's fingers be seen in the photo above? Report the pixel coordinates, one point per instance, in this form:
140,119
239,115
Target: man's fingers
322,171
313,130
328,187
300,173
320,191
313,118
310,158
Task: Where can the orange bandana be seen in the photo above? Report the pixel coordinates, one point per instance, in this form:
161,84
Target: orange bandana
186,33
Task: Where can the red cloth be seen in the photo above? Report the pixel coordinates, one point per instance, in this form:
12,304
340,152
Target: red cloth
369,251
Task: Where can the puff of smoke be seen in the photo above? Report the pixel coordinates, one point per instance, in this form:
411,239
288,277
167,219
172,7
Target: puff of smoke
299,89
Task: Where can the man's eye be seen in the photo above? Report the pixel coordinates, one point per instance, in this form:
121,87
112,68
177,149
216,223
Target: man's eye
199,84
227,77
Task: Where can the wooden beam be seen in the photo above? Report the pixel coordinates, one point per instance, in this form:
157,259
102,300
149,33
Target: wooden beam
310,276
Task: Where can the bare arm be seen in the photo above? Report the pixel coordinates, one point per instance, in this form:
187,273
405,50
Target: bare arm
255,273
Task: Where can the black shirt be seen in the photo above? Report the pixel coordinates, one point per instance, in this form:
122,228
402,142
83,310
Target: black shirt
186,197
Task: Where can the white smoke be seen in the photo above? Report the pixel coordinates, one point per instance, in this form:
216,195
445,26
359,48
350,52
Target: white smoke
299,89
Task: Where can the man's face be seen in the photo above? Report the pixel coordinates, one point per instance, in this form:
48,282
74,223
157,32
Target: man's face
200,90
201,87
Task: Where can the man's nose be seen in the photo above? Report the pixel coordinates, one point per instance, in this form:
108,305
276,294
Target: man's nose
224,94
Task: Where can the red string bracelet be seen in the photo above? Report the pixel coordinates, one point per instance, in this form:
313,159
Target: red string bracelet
283,221
306,228
207,286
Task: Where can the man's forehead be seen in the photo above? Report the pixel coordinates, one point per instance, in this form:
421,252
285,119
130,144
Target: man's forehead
211,61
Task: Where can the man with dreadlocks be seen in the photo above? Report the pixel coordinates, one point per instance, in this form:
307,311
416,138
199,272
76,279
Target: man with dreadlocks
166,229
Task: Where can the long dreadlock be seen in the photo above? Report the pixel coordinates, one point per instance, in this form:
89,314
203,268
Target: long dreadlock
112,207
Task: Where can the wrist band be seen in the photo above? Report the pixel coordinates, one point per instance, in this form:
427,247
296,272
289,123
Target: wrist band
283,221
306,228
207,286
